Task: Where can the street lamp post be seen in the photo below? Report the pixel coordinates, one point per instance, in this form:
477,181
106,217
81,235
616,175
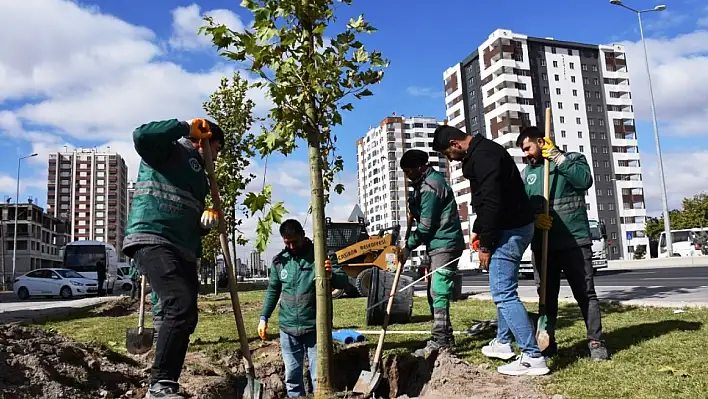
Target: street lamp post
17,211
664,200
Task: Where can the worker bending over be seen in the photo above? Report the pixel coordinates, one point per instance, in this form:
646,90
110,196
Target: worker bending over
504,228
292,280
569,242
432,204
166,223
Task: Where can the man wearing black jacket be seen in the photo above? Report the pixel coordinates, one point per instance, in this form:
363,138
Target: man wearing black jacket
504,227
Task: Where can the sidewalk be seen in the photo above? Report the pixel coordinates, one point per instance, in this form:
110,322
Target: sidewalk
37,311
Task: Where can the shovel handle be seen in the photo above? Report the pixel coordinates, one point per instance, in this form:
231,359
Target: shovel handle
141,313
379,347
546,209
223,239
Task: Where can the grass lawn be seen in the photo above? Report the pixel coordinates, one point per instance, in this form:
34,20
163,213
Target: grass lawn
655,353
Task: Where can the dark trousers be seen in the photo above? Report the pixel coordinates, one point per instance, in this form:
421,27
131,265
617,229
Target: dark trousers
175,282
576,264
134,287
101,281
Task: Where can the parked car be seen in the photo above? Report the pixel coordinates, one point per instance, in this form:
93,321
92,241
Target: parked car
123,280
65,283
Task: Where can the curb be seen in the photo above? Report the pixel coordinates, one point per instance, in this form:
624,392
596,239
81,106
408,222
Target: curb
38,316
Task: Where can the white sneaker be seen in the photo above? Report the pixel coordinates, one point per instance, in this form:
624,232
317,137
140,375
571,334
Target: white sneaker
498,350
525,365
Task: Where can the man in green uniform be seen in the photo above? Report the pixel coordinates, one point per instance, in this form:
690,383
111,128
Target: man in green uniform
432,204
166,223
292,280
134,276
569,242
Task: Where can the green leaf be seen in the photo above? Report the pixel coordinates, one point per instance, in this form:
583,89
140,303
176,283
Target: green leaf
339,188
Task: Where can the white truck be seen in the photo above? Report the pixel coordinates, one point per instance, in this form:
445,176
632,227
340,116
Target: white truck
82,257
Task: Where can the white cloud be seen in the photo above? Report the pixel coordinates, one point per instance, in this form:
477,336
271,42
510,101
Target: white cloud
8,185
679,81
685,175
417,91
186,22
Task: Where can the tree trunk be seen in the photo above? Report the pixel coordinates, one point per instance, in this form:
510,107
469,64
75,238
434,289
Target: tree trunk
233,239
322,287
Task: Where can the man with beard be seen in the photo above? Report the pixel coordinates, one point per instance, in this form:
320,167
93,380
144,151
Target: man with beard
504,228
569,242
292,280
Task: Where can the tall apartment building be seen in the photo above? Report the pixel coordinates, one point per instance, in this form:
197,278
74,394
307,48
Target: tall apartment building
131,193
88,189
380,181
39,238
509,81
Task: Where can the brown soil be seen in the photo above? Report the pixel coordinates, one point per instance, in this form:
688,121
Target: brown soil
447,377
123,306
36,364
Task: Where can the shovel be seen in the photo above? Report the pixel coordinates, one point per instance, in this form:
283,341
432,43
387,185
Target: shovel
542,336
369,380
139,340
254,388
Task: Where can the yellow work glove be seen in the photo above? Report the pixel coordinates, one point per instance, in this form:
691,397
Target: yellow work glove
328,267
544,221
199,128
210,219
263,329
551,152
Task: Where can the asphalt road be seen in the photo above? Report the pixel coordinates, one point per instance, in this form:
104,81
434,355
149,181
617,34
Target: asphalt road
681,277
669,287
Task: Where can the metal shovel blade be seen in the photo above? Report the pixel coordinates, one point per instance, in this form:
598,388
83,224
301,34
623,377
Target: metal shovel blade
254,388
367,383
137,342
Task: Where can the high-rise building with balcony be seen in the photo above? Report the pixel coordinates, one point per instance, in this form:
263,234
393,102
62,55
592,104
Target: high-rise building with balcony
380,181
88,189
509,81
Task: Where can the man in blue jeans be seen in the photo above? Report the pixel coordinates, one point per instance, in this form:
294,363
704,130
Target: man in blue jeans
504,227
292,280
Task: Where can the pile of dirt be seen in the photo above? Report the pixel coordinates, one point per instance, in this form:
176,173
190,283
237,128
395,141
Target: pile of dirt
39,364
448,377
122,306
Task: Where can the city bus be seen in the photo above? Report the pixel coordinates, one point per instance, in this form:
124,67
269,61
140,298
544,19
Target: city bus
82,257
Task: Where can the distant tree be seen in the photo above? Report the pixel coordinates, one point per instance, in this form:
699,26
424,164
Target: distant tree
640,252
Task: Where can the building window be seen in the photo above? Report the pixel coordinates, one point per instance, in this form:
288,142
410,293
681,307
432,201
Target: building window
580,134
572,79
600,207
599,192
542,61
601,121
604,149
553,50
558,91
599,109
555,64
582,148
577,121
594,68
596,81
575,93
611,206
544,76
563,133
547,104
546,91
594,149
613,220
589,108
597,178
556,77
595,164
607,178
602,136
572,64
613,236
587,94
591,122
560,105
100,166
584,67
586,81
607,164
610,193
565,148
562,119
598,95
576,106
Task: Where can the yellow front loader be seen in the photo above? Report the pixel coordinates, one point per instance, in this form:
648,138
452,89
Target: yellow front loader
358,253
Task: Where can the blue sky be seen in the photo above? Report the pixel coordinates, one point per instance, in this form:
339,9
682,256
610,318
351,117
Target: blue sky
94,70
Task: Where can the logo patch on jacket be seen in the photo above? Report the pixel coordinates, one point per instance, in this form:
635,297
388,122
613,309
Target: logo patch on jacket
283,274
196,166
531,179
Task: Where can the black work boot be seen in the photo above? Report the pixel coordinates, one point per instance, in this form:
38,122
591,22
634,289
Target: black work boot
598,351
164,389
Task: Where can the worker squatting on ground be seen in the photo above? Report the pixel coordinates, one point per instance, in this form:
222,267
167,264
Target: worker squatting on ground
569,242
432,204
504,227
165,226
292,280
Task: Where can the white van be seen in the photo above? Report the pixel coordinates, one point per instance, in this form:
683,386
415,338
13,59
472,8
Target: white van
82,257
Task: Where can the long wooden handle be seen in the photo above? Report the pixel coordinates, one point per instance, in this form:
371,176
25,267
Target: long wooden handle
216,199
141,313
546,209
379,347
